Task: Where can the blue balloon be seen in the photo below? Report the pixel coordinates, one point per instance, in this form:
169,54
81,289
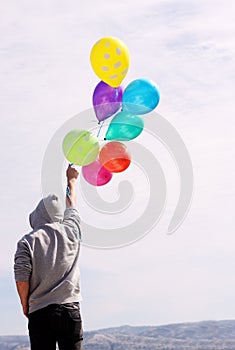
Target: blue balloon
141,96
124,127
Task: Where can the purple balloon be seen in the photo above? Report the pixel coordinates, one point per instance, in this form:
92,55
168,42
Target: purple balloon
106,100
95,174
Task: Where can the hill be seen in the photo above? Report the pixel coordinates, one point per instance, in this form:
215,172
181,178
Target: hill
206,335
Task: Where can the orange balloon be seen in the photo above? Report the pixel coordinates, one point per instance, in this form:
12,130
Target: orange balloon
114,156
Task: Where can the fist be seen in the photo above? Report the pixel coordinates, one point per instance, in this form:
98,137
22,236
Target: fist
72,173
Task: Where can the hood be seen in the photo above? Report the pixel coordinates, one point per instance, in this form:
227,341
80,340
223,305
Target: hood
48,210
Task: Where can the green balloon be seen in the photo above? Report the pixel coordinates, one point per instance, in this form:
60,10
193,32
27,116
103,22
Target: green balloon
124,127
80,147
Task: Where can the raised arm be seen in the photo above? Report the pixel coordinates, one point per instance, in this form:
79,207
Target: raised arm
72,175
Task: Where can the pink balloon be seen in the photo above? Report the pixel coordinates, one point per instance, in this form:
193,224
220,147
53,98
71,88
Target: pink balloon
95,174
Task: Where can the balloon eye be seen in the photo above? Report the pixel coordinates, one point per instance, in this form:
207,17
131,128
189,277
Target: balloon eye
90,156
118,51
118,64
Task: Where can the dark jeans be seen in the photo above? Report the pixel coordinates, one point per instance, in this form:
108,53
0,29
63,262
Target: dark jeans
56,324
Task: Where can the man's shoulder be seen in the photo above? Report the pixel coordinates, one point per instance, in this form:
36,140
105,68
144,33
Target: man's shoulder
28,237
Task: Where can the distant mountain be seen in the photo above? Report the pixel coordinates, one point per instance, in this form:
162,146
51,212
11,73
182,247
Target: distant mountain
207,335
20,342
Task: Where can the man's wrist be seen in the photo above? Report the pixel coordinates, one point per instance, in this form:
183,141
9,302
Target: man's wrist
71,182
25,306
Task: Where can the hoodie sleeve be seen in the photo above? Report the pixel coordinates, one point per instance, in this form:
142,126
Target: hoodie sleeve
22,262
72,219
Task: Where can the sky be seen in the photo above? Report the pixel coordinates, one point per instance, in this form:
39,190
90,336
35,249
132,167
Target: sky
187,48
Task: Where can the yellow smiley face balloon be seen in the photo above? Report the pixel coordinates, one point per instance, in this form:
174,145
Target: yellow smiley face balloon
110,60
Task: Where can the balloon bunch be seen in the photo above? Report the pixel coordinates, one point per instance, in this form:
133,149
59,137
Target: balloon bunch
110,61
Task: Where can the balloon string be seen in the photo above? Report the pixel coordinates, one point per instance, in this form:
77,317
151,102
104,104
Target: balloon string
101,125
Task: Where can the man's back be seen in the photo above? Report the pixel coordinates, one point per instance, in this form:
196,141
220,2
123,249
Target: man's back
53,251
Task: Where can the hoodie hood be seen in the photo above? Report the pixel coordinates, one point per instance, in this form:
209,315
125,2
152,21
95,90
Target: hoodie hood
48,210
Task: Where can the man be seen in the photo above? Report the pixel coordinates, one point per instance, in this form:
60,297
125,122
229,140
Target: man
47,274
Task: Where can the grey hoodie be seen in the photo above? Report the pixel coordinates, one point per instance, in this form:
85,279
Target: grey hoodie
47,257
